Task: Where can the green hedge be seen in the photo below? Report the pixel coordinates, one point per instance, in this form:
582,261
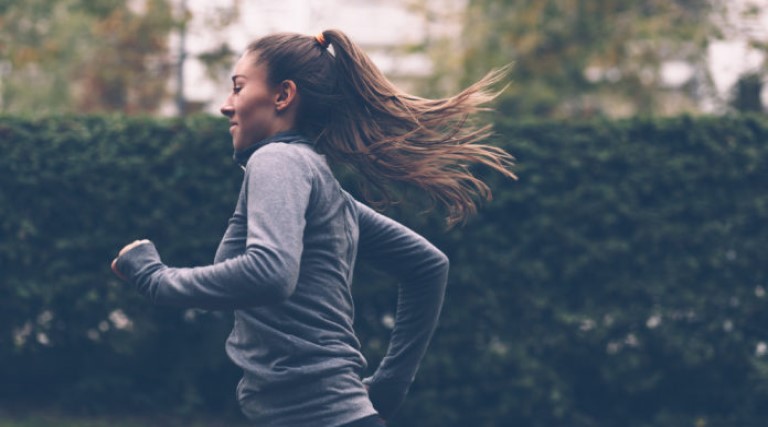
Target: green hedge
622,281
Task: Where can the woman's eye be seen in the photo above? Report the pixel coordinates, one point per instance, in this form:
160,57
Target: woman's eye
237,89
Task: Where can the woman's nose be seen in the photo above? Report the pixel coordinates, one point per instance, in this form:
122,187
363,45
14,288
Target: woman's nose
227,109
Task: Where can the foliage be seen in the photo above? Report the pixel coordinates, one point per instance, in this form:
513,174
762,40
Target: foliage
585,58
97,56
74,191
619,282
84,56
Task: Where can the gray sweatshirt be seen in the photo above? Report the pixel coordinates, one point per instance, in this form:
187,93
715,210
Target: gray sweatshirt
285,267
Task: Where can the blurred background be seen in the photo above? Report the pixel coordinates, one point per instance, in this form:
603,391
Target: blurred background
621,281
571,58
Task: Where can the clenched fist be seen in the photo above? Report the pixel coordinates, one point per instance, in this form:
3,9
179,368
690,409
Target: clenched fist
125,249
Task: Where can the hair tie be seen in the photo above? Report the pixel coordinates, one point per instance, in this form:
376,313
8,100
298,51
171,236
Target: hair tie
320,39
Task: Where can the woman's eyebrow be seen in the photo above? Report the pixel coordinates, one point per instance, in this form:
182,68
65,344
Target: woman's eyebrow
236,76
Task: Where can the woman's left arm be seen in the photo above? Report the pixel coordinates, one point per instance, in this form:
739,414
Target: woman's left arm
422,271
278,185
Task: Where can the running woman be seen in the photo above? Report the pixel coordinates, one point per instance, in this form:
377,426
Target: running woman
285,262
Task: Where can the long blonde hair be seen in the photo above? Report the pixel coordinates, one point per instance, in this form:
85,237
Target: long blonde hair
359,118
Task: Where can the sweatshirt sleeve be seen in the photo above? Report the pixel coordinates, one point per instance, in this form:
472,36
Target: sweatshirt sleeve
277,189
422,272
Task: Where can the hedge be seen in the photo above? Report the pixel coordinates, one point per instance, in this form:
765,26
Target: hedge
621,281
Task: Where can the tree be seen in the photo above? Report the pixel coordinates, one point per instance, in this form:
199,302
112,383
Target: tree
588,57
127,67
36,45
101,55
84,56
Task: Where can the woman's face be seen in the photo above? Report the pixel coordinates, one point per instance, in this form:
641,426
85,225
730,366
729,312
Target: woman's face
251,107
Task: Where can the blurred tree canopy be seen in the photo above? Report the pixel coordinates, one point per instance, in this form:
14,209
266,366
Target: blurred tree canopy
594,58
84,56
571,58
591,57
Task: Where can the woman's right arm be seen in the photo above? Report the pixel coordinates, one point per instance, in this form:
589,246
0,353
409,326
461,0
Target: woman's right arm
422,272
277,188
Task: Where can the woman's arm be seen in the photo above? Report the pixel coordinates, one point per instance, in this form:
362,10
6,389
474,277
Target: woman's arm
277,187
422,271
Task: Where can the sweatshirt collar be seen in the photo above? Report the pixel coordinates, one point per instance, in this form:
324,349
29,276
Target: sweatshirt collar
288,137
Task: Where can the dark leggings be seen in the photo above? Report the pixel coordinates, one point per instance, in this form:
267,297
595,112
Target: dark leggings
370,421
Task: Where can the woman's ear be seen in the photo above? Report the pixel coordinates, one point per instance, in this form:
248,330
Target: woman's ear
286,95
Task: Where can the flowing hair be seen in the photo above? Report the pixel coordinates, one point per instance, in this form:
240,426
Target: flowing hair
360,119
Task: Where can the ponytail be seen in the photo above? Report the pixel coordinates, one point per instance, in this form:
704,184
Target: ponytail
384,134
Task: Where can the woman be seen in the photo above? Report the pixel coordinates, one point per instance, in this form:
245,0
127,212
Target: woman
285,262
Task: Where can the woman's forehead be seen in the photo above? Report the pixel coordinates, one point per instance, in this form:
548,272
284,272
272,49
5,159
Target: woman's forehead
247,65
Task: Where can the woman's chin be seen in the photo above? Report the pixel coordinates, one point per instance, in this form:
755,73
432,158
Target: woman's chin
238,144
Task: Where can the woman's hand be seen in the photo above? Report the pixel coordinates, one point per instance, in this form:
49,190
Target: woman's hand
385,396
125,249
